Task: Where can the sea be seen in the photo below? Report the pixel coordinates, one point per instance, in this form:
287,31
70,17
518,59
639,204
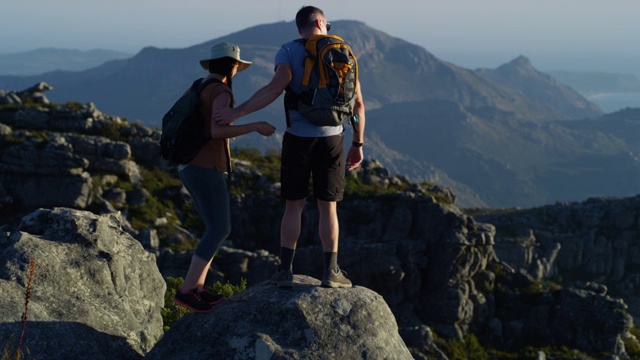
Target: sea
612,102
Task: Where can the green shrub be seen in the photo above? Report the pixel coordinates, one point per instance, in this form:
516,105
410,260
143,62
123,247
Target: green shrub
74,105
228,289
540,287
356,189
632,347
157,180
158,203
531,353
145,215
471,348
268,166
26,106
163,200
111,130
9,107
10,140
459,350
172,312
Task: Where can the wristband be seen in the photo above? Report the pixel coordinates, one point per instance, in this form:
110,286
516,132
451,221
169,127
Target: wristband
357,144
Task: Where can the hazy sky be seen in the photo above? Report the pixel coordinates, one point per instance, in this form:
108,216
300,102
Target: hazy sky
595,35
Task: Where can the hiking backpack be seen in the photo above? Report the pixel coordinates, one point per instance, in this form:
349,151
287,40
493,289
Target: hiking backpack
183,132
329,83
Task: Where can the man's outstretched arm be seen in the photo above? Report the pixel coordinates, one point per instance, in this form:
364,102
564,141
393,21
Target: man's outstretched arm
261,98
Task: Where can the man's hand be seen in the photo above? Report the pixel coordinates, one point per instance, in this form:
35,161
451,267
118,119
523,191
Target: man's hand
354,157
224,115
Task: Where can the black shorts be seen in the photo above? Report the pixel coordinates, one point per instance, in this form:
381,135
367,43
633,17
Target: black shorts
320,157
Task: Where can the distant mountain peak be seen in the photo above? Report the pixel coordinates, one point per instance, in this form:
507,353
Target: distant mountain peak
522,64
521,76
521,61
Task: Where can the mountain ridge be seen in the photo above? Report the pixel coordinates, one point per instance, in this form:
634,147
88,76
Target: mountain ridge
497,137
519,74
416,74
44,60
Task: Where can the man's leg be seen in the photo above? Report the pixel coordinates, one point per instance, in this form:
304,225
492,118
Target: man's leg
329,229
291,223
289,234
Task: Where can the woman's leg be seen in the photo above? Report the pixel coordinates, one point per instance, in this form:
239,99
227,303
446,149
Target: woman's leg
208,188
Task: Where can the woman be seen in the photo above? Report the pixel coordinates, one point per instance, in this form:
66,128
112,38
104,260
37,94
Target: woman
204,176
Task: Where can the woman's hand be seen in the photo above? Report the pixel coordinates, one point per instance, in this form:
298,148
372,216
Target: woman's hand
264,128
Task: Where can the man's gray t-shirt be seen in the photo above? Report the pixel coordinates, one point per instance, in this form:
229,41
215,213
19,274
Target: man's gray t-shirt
293,54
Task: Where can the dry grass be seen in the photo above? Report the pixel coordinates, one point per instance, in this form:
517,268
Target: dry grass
18,353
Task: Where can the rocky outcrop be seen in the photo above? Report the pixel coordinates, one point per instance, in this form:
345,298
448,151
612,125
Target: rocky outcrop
306,322
95,294
428,282
579,317
595,240
33,94
440,269
53,155
98,295
411,249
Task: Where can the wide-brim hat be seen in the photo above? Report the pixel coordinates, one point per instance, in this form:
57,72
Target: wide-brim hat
226,50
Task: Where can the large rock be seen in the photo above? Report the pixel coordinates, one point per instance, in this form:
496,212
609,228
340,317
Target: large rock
306,322
96,293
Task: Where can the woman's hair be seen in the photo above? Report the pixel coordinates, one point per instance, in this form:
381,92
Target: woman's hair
222,66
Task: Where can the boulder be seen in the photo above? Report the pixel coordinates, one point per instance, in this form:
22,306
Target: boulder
305,322
95,292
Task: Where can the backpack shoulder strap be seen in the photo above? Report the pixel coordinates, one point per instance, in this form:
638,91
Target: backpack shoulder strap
195,85
311,58
311,46
204,83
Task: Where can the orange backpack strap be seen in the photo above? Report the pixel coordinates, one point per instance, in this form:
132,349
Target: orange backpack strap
311,46
311,58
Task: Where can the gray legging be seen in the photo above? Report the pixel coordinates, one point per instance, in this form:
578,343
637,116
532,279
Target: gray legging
208,188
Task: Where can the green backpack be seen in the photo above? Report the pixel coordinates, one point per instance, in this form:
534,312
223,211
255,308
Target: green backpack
182,127
329,85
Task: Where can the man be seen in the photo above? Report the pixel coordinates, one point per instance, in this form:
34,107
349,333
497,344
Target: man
307,150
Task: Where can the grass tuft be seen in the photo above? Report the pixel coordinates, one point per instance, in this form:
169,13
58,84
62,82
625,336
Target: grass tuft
18,354
27,296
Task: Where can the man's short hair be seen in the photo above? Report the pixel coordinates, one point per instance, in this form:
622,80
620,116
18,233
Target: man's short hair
306,15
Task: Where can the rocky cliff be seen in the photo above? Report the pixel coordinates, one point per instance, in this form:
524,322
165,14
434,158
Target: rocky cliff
593,240
440,272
